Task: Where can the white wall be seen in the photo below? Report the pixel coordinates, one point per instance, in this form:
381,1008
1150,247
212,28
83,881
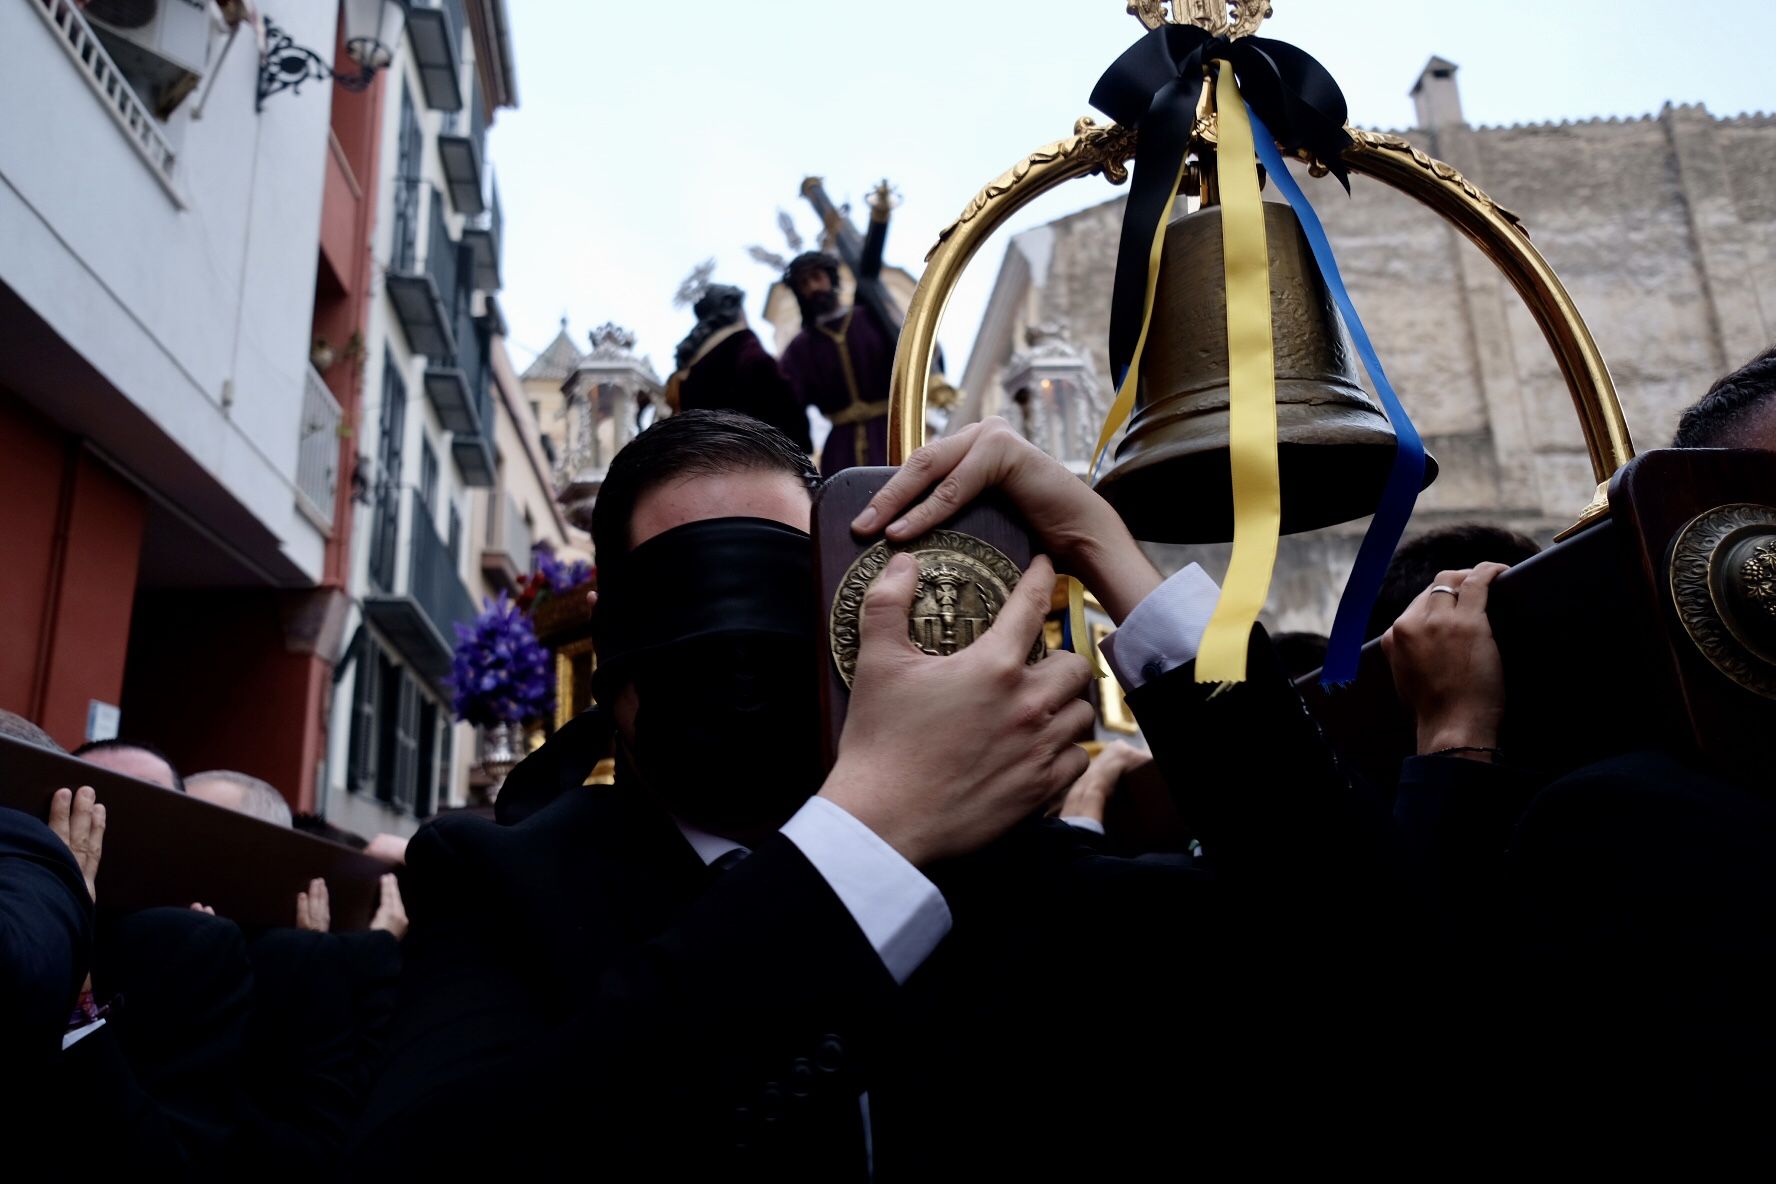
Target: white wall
176,305
383,332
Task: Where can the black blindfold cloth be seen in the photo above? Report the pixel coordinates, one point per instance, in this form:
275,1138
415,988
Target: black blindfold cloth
721,577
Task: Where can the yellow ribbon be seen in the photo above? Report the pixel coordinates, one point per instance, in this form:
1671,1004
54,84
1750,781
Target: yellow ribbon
1251,412
1252,426
1082,640
1125,394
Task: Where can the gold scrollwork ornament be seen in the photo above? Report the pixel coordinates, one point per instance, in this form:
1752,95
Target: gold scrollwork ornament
964,583
1222,18
1090,149
1388,142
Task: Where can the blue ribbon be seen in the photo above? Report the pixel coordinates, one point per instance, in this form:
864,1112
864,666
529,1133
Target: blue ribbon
1406,477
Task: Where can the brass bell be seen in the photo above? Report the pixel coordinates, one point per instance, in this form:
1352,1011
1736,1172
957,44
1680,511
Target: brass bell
1170,480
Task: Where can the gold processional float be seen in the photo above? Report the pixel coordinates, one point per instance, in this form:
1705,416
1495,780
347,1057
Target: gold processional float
1671,566
1183,424
1272,434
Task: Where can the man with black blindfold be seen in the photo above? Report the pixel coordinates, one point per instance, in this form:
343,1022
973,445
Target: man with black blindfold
736,963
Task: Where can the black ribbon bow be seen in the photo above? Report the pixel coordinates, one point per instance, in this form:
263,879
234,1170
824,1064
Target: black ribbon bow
1154,87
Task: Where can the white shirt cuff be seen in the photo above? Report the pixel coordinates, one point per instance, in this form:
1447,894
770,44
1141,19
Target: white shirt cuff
1163,632
1083,823
70,1039
901,912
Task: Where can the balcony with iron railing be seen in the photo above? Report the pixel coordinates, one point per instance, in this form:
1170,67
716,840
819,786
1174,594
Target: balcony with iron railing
459,387
462,151
506,555
453,383
424,294
119,99
418,616
317,454
435,32
482,235
473,450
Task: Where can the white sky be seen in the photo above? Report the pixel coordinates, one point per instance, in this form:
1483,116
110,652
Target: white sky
653,134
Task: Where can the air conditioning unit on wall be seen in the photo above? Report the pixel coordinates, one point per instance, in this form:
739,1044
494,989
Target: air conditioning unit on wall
161,46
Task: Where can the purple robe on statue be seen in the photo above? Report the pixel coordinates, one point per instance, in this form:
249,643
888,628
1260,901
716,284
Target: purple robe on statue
732,372
854,397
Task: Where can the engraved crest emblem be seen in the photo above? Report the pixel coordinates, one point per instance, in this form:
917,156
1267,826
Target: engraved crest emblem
963,585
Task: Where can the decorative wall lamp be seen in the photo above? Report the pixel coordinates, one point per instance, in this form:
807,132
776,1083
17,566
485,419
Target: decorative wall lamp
373,31
1052,385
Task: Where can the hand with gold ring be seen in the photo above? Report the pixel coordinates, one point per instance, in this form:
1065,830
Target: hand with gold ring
1446,664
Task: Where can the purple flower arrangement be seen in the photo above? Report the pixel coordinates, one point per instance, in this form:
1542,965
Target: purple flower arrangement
561,577
550,576
499,673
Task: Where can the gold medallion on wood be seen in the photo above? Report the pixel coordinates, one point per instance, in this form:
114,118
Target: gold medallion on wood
963,585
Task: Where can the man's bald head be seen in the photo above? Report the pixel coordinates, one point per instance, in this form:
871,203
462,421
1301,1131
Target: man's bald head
241,792
141,761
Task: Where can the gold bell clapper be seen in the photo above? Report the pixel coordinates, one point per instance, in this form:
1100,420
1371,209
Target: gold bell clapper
1170,478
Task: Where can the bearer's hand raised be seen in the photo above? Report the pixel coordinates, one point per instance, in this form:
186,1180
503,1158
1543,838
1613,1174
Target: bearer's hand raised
940,756
1446,664
1073,524
78,819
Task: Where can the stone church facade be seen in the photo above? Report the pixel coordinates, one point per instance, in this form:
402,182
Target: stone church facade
1662,228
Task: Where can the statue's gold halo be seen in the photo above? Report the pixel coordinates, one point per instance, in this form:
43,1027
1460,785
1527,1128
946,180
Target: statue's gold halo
963,585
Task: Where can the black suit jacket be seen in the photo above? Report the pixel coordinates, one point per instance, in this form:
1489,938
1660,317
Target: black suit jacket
373,968
1646,888
1612,934
223,1057
599,993
46,920
302,1079
156,1091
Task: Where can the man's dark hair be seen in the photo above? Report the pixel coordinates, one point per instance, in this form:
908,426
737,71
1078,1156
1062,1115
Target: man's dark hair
1451,548
1719,419
92,746
692,444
